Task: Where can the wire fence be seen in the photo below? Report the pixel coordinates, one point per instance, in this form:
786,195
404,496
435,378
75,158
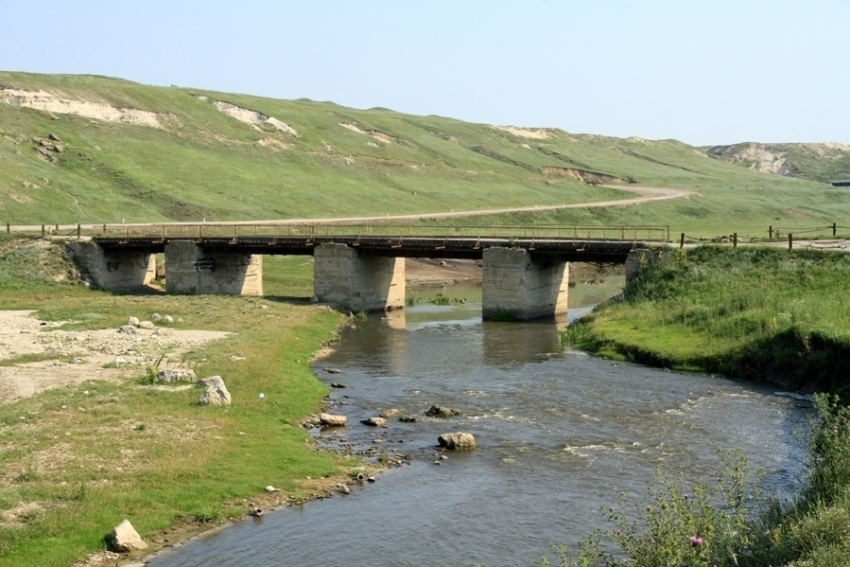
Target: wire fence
826,237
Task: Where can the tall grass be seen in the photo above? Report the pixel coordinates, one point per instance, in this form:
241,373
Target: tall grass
760,313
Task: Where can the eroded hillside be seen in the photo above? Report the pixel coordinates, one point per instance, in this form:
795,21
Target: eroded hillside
818,162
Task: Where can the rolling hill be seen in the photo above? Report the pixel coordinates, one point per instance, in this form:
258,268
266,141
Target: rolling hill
94,149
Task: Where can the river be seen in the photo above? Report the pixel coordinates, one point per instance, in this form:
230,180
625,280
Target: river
559,436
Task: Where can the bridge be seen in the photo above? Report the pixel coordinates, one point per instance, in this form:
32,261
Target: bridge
357,267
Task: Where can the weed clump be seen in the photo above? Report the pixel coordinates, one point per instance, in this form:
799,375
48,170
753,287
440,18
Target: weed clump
729,523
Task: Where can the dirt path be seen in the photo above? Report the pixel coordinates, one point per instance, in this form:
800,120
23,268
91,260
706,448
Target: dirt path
645,195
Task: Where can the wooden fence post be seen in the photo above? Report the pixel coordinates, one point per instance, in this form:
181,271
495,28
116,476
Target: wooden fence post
770,231
682,241
8,228
42,231
790,241
734,240
79,231
833,229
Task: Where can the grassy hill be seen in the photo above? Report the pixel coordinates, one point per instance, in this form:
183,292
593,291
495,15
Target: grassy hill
187,154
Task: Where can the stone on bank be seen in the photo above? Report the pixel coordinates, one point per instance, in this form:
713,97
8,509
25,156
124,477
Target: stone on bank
124,538
215,392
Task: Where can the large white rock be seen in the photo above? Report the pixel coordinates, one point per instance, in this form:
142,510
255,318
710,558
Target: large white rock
215,392
332,420
457,441
124,538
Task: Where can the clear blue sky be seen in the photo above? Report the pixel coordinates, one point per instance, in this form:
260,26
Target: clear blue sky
704,72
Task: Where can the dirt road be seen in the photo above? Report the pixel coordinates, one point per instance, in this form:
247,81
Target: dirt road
645,195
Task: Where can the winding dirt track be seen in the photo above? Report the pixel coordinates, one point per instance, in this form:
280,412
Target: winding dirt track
646,195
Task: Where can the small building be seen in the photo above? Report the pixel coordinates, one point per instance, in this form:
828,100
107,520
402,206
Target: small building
840,183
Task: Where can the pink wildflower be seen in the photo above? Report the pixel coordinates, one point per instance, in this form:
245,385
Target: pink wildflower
696,541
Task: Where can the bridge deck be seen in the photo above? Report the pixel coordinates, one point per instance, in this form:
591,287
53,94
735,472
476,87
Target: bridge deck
419,247
547,243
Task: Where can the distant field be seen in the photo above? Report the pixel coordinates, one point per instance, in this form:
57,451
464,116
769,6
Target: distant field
200,159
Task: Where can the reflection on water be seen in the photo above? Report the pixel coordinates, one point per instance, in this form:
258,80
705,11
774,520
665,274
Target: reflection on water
559,436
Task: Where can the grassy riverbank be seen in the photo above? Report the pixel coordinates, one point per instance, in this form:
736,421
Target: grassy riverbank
757,313
760,314
76,460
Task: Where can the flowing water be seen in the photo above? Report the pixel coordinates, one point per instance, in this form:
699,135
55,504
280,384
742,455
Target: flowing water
559,436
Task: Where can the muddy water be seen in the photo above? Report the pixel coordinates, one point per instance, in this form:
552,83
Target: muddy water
559,436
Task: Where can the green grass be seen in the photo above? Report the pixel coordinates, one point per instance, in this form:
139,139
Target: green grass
757,313
93,454
203,164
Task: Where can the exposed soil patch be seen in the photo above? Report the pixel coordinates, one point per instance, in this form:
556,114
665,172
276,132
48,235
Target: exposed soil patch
429,271
380,136
72,357
253,117
590,177
46,102
532,133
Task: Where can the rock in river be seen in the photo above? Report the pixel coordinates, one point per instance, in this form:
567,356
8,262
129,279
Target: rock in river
332,420
441,411
457,441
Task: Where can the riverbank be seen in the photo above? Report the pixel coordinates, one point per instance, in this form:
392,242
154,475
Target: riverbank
767,315
762,314
96,443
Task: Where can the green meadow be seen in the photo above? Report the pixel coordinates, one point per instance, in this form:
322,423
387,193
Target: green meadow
201,163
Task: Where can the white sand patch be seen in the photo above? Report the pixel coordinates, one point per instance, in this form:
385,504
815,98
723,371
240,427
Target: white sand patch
21,334
532,133
253,117
380,136
274,144
47,102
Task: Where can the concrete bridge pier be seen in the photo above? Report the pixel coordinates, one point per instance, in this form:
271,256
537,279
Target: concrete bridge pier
114,269
357,282
189,269
516,286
